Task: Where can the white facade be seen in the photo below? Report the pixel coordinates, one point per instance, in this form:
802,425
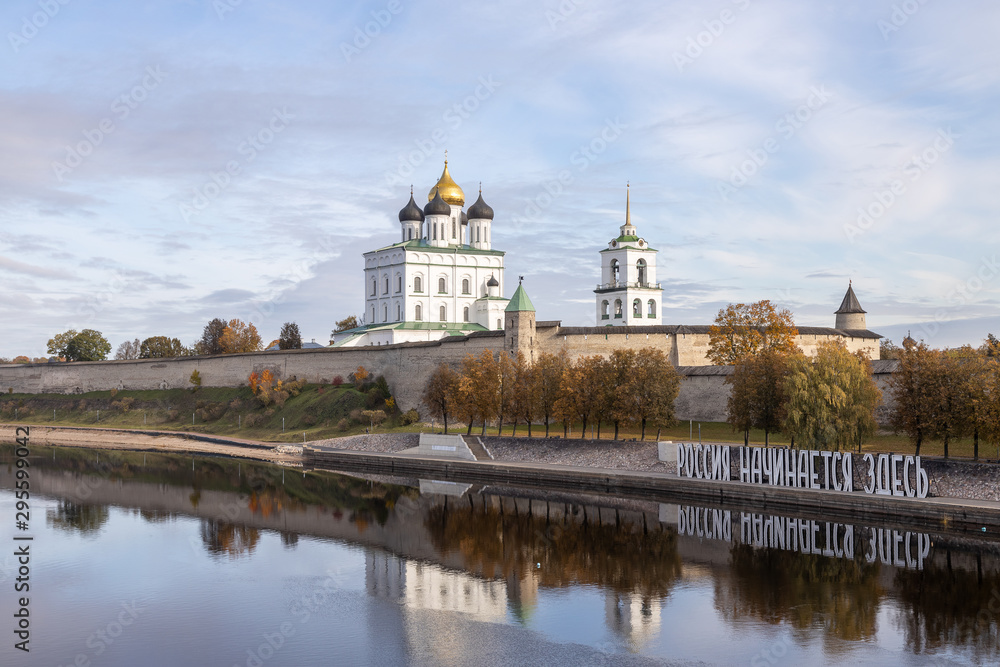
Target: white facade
628,294
436,281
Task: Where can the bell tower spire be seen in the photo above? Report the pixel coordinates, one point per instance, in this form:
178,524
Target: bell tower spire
628,229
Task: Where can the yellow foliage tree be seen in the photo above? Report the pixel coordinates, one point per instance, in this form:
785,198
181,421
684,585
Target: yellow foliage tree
742,330
239,337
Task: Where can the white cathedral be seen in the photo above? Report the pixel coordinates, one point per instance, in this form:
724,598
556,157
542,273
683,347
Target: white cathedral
443,277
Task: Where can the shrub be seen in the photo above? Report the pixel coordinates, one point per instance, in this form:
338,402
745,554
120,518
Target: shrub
356,416
309,420
337,380
195,378
172,415
343,425
114,392
411,416
254,419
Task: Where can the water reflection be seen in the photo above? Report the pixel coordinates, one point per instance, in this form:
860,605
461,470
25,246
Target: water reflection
75,517
500,556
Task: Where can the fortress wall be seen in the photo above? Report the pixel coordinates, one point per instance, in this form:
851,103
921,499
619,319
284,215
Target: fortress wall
578,344
703,393
405,367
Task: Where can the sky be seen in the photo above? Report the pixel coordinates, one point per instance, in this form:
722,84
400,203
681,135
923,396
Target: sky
168,162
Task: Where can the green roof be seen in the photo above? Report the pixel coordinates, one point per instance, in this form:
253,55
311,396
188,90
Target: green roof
423,246
519,302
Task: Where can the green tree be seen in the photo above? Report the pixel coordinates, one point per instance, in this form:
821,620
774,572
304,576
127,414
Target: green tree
161,347
831,398
440,392
757,395
289,338
87,345
742,330
211,337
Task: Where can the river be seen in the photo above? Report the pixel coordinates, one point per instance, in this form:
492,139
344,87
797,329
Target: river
153,559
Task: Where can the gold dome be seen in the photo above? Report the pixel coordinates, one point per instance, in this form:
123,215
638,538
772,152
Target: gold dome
450,192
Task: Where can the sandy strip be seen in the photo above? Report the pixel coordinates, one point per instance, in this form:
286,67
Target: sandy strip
173,443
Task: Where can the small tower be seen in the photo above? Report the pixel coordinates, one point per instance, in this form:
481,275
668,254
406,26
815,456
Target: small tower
850,315
480,223
519,324
438,215
628,294
411,218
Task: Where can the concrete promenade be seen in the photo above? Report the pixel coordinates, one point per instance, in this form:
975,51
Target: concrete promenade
961,515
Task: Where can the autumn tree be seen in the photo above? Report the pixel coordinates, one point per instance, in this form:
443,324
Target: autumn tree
831,398
239,337
57,344
506,387
617,374
289,338
211,337
757,394
349,322
581,392
545,378
975,375
159,347
990,346
521,399
480,386
361,376
742,330
440,392
915,392
128,350
652,389
888,350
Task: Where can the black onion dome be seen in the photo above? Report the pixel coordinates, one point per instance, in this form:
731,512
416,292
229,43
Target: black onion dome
437,206
492,282
480,210
465,218
411,212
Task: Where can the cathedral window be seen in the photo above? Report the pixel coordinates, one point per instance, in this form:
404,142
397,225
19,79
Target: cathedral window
399,312
454,230
618,308
409,234
418,314
399,283
651,308
637,308
385,313
374,288
418,284
499,326
373,314
444,314
465,286
465,314
479,235
435,231
442,286
605,308
385,286
641,269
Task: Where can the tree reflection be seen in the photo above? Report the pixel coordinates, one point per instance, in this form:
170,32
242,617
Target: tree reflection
225,539
946,606
69,516
804,590
626,557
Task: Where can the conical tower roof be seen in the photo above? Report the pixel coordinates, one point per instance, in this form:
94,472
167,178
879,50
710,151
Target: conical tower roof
850,303
519,302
